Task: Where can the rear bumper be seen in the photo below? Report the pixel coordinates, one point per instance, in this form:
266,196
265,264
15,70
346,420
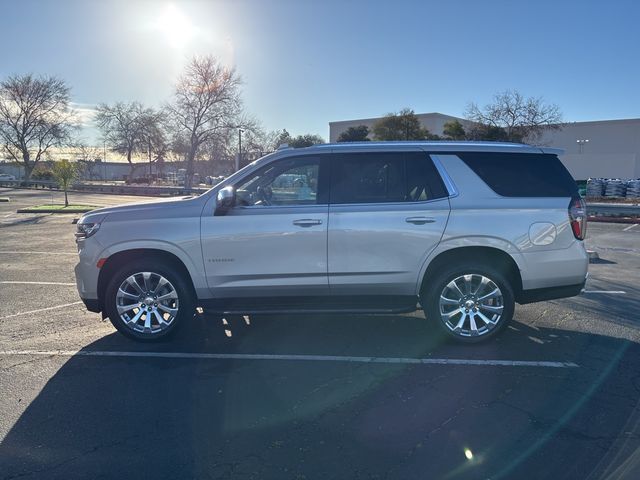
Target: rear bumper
549,293
554,269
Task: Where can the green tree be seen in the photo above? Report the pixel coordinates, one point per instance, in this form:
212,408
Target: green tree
403,125
355,134
64,173
454,130
282,138
306,140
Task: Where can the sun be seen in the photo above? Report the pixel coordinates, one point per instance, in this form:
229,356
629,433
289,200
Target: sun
175,26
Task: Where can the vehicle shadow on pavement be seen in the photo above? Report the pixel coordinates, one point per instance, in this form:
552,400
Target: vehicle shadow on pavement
104,417
624,310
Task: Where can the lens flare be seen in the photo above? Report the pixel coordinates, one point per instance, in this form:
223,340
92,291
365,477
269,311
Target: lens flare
468,453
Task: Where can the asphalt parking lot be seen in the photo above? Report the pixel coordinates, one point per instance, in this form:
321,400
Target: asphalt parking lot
331,397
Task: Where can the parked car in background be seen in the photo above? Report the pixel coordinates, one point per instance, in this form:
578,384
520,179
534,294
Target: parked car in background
5,177
464,230
210,180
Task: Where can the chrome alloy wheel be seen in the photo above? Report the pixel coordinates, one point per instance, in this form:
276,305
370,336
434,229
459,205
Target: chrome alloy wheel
471,305
147,302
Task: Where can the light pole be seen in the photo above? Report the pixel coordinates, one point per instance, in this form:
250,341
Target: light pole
104,160
581,143
239,156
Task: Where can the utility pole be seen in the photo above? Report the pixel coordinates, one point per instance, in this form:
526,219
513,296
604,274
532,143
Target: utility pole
104,160
149,152
239,156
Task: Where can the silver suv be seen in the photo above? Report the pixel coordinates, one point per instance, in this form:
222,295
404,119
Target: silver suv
464,230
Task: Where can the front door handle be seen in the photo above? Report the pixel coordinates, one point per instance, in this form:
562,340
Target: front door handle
307,222
420,220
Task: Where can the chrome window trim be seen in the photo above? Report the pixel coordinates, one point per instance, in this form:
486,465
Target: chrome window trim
397,204
270,207
448,183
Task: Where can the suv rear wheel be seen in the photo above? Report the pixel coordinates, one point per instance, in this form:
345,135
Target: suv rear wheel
148,301
470,303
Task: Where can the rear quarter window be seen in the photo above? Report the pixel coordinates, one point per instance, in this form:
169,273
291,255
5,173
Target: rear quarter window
522,174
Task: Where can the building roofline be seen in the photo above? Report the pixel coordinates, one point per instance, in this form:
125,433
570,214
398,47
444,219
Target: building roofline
373,119
613,120
436,146
421,143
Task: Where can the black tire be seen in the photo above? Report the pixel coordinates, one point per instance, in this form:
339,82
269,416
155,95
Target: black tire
185,299
435,286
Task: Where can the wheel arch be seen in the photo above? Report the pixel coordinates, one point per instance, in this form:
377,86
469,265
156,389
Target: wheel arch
117,260
493,256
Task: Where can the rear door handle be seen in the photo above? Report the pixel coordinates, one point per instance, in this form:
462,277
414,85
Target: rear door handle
307,222
420,220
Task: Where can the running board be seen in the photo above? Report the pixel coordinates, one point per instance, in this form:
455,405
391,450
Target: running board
310,305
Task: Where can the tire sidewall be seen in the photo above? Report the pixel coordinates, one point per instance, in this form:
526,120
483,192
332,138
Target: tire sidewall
433,290
185,298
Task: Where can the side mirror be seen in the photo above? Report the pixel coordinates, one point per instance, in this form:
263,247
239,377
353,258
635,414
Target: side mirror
225,200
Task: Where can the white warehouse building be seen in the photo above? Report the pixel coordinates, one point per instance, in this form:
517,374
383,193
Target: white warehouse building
603,148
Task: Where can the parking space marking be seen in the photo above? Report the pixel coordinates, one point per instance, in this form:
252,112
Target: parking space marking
630,227
306,358
40,310
613,292
16,252
16,282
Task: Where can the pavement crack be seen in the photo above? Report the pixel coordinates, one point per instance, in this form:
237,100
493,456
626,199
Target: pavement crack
72,459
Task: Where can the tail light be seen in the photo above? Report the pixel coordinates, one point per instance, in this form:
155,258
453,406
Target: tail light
578,217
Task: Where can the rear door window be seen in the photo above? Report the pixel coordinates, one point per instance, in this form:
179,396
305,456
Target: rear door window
522,174
384,177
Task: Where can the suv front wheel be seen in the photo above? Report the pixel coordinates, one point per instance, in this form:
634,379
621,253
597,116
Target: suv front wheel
148,301
470,303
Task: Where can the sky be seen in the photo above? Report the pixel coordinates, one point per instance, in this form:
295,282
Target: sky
305,63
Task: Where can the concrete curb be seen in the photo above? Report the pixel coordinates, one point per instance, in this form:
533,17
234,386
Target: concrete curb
606,219
134,191
593,255
41,210
5,199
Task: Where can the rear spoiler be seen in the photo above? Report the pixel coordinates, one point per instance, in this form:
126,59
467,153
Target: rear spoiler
553,151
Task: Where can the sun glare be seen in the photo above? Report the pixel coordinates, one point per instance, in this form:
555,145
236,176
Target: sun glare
175,26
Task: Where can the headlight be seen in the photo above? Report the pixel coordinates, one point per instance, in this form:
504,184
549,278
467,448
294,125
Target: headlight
85,230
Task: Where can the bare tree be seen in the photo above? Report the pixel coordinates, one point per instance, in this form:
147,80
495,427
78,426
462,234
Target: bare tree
206,104
154,137
34,117
126,128
256,141
87,158
516,118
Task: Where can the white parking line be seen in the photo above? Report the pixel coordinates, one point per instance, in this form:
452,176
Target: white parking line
11,252
40,310
630,227
16,282
613,292
313,358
